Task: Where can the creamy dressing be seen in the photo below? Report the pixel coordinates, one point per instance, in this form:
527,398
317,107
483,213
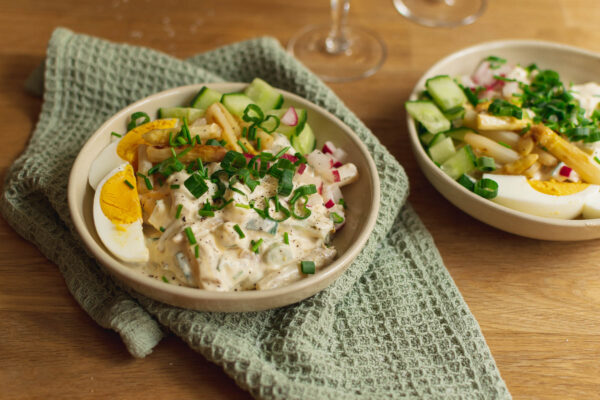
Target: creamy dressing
222,260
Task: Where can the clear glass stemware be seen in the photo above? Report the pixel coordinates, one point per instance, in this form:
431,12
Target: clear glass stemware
339,52
441,13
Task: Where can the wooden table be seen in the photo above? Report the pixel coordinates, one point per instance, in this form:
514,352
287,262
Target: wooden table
538,303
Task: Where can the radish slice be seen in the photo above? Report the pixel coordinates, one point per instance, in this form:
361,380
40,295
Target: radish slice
336,175
331,192
565,171
290,157
290,117
301,168
337,164
329,203
339,154
329,148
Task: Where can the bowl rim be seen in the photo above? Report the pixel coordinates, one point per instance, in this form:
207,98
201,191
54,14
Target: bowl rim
126,274
418,147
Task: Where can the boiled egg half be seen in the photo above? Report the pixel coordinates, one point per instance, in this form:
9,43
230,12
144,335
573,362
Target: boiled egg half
550,199
125,149
118,215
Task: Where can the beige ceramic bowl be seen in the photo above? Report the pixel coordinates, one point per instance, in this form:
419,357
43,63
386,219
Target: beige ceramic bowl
573,64
362,197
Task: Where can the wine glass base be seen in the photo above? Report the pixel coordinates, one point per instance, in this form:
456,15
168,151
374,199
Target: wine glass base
365,54
441,13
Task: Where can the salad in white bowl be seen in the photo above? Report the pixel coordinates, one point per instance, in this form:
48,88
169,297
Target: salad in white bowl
226,194
516,135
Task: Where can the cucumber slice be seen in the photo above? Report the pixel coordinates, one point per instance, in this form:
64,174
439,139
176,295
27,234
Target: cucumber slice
287,130
236,103
205,97
426,138
445,92
191,114
436,139
462,162
459,133
305,142
429,115
442,150
264,95
455,113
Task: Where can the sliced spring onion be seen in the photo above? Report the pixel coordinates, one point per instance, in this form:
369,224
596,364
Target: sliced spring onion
116,134
307,267
281,152
270,123
178,212
467,182
303,190
253,113
597,159
196,251
233,161
164,279
162,229
134,117
239,231
342,202
305,209
503,108
278,208
190,235
175,186
169,166
286,238
196,185
486,188
508,146
129,184
286,183
337,218
486,164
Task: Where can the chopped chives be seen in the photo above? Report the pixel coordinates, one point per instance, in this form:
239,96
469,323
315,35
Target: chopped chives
116,134
190,235
258,144
244,148
180,140
307,267
162,229
174,186
286,238
196,251
146,180
178,213
342,202
239,231
129,184
597,159
206,211
508,146
246,206
256,245
165,280
282,152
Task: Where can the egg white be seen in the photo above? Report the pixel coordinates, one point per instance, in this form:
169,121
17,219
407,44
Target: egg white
515,192
107,160
127,242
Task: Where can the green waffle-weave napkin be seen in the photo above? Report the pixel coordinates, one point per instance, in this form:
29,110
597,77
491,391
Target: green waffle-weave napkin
393,326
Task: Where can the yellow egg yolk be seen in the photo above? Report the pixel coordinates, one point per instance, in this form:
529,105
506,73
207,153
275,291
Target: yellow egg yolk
127,147
558,188
119,202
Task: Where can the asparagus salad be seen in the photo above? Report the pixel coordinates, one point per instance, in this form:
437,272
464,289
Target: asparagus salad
226,194
516,135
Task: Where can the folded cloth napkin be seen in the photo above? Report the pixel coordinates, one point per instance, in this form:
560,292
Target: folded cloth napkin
393,326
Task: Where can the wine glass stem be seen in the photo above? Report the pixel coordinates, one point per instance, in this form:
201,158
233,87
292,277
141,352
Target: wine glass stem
337,42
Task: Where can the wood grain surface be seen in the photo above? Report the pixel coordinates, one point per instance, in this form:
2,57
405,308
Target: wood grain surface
538,303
